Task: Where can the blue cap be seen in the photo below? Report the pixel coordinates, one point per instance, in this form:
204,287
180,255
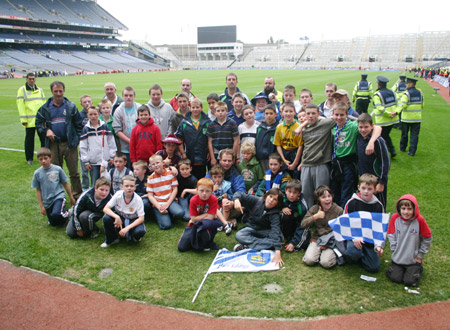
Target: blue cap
261,95
363,74
382,79
409,80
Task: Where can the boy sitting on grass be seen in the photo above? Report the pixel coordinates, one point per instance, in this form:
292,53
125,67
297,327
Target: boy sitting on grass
410,238
162,188
204,221
124,215
88,210
274,177
187,184
357,250
116,174
222,190
140,169
263,222
249,167
294,209
49,180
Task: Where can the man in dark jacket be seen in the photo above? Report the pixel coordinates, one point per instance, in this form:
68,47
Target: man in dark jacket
61,124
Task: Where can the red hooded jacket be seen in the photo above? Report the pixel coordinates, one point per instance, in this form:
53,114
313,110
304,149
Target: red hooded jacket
145,140
425,231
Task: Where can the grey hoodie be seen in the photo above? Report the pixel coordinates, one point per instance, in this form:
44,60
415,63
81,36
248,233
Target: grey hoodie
162,115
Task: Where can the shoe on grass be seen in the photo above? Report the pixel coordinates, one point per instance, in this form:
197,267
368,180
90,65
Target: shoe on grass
239,247
228,228
105,245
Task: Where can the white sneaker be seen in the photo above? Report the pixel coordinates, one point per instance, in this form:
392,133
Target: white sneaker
104,245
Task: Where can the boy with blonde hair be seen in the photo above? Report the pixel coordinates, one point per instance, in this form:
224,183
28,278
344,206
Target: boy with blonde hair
162,188
249,167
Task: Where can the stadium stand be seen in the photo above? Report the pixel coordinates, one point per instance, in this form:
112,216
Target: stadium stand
66,36
373,52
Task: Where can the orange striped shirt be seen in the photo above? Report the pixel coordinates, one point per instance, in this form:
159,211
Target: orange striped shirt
161,185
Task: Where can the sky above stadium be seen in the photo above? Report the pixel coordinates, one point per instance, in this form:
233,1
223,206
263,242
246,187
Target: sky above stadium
176,22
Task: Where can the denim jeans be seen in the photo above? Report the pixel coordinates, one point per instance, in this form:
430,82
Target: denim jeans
184,203
367,255
95,174
112,233
175,211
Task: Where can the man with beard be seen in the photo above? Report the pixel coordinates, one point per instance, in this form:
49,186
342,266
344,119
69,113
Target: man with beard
269,88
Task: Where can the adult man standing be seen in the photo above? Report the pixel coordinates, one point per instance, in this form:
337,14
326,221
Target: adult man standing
269,88
110,91
61,124
362,94
29,99
186,87
385,111
400,86
341,95
232,81
410,105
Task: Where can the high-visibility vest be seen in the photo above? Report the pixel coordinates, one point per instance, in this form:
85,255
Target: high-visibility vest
411,105
384,104
28,104
363,90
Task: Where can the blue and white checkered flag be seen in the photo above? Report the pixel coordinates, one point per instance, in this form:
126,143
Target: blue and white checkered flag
369,227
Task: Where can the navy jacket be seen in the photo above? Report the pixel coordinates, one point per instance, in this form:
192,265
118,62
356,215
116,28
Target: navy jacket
73,122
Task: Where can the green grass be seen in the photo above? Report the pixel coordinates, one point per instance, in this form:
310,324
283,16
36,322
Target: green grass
155,272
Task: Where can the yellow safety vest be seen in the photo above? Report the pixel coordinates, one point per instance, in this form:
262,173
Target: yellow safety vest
28,104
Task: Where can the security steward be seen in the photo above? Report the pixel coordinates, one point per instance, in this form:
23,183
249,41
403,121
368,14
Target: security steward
385,111
29,100
362,94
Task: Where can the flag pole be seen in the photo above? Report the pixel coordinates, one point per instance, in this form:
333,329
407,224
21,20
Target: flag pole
200,287
204,278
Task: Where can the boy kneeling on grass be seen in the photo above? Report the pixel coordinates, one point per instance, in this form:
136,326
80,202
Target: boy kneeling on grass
205,219
410,239
263,229
124,214
88,210
49,181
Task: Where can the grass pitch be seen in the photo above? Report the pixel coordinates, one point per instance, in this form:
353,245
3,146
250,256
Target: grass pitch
155,272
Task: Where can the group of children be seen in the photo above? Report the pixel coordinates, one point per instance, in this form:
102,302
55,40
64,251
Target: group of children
300,170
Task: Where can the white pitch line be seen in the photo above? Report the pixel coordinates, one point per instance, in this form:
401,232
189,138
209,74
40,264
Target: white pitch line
9,149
